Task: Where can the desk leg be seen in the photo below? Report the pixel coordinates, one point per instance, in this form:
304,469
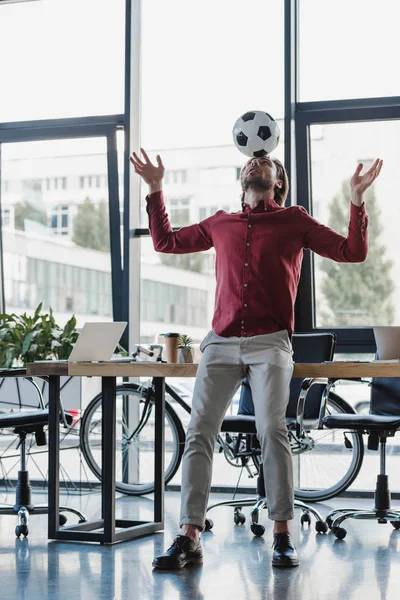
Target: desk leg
108,457
159,448
54,455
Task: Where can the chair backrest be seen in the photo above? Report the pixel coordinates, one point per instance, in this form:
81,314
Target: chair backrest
385,396
307,348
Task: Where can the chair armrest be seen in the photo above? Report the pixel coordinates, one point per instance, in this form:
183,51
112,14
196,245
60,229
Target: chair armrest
15,372
21,372
305,387
358,379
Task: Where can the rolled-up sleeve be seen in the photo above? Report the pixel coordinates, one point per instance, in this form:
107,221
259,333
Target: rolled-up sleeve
193,238
326,242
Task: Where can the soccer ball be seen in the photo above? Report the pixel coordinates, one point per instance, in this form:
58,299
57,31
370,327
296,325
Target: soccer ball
256,133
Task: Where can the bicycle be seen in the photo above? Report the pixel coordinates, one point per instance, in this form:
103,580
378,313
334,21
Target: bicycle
135,443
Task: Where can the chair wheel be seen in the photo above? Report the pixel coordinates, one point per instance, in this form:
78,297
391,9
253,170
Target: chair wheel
21,530
396,524
321,527
329,522
305,518
340,532
239,518
62,519
257,529
209,524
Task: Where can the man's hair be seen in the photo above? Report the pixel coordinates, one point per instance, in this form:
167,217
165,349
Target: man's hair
280,194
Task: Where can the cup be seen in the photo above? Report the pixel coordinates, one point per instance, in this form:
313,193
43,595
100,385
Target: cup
171,347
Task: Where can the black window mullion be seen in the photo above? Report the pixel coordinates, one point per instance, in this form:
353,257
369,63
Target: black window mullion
115,225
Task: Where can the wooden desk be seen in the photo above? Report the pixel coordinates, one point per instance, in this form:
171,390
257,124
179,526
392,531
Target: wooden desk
104,530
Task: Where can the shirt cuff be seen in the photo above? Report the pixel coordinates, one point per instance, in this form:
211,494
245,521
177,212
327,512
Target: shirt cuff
154,198
358,215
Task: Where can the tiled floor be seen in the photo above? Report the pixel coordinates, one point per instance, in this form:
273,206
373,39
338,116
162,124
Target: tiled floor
364,566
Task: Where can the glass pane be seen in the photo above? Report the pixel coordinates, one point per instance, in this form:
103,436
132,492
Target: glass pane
366,294
358,49
195,131
212,77
212,74
56,242
68,56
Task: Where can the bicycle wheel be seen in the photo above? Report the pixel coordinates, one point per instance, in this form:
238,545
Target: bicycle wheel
331,460
134,439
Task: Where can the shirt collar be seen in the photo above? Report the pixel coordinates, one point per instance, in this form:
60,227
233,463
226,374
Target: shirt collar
262,206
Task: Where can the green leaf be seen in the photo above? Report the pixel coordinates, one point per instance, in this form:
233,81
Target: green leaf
27,342
38,310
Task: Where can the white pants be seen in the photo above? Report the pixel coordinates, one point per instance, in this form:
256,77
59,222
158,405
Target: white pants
266,360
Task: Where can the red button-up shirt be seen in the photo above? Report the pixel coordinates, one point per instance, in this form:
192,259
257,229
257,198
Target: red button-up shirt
258,258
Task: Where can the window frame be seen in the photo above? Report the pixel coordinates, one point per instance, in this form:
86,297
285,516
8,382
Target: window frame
349,340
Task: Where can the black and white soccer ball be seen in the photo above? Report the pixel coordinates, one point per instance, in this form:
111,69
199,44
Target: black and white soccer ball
256,133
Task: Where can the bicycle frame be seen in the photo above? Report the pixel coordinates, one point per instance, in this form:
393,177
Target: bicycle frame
232,447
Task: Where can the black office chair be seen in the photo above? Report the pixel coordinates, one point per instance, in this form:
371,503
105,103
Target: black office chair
24,423
382,422
307,348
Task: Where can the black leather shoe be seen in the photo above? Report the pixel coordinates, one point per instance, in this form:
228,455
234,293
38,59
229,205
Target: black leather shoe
183,551
285,554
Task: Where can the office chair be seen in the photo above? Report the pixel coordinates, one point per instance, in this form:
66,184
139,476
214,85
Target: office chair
307,348
382,422
24,423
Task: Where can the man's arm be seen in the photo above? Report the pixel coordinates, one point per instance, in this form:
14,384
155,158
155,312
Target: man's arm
354,247
193,238
326,242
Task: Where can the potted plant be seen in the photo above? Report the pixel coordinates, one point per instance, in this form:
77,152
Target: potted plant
24,339
185,349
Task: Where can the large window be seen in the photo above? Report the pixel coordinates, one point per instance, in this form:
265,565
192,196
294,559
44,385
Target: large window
219,66
357,295
357,49
61,59
213,63
56,246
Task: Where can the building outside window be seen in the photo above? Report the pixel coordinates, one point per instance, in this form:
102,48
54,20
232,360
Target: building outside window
60,220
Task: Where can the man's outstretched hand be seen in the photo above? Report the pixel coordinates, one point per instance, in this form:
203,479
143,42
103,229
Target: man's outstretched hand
359,183
151,174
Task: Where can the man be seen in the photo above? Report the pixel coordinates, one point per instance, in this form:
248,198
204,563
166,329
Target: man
259,252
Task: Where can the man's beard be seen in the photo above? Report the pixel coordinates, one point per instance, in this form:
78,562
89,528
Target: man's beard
256,184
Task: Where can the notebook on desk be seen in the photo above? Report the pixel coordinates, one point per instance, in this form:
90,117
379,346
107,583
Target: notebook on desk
97,342
387,342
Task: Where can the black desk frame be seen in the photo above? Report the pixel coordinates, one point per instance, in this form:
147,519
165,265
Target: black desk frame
104,530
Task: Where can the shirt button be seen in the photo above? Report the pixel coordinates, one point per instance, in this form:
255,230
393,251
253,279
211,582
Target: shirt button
245,284
245,305
242,326
246,264
244,333
249,226
360,213
247,244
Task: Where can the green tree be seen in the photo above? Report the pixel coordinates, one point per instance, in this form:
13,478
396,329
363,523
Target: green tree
357,294
91,227
26,210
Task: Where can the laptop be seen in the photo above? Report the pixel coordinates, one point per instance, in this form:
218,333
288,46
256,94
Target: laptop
387,342
97,342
